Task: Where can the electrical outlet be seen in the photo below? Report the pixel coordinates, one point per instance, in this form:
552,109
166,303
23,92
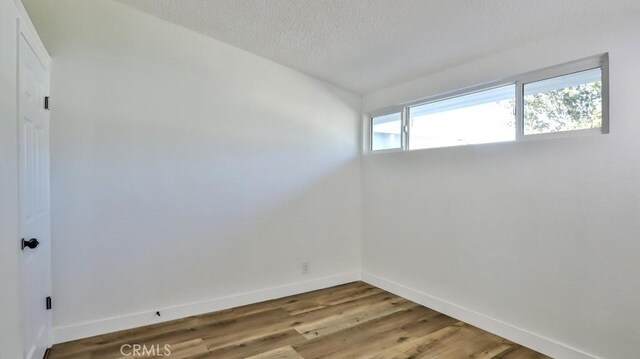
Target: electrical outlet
305,267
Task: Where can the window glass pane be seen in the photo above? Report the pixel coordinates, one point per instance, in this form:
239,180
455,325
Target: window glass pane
386,132
564,103
481,117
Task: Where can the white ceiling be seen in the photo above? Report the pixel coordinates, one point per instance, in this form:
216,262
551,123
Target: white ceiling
364,45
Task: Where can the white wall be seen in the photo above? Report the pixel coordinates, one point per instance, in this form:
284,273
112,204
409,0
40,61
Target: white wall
11,329
541,235
185,170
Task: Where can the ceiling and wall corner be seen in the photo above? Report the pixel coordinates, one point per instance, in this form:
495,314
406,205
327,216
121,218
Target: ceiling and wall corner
366,45
538,235
188,175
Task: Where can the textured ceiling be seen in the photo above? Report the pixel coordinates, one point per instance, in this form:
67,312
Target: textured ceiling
363,45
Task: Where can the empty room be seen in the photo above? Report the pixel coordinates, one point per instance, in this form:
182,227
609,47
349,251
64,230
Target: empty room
305,179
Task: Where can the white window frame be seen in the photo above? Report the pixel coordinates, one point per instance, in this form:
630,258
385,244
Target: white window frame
448,96
403,128
599,61
561,70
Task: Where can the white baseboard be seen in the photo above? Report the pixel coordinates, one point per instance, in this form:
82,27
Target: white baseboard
532,340
113,324
526,338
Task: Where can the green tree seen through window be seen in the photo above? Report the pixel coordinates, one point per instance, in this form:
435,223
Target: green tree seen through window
570,108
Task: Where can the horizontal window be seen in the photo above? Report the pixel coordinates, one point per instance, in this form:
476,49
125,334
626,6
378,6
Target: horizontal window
550,102
481,117
386,132
564,103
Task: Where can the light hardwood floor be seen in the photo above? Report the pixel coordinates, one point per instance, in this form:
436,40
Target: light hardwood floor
354,320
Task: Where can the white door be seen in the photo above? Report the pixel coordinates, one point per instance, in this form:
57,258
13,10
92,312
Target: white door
34,199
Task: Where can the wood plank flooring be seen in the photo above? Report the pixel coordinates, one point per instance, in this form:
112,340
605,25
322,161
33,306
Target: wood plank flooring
354,320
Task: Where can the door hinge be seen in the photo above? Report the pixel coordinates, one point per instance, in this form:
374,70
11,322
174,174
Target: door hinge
49,304
46,102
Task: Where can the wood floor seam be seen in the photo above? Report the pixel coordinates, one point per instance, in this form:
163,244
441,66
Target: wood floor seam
354,320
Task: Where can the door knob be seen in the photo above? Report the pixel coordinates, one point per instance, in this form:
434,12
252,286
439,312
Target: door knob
32,243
